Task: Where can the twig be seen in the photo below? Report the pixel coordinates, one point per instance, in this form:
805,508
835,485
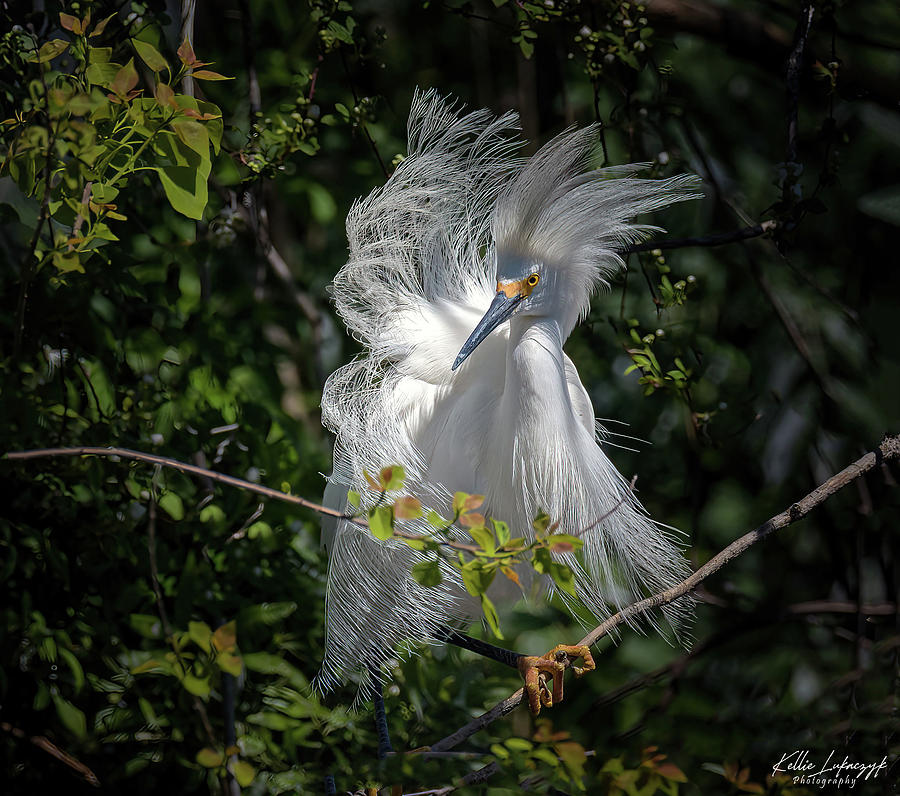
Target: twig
716,239
794,66
888,450
191,469
254,94
51,749
28,262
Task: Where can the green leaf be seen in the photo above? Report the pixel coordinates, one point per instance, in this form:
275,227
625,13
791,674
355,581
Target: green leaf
71,717
541,522
491,616
49,51
353,498
564,578
195,685
210,758
150,55
172,504
427,573
201,634
230,663
212,514
483,538
501,530
435,520
74,667
243,772
477,578
185,178
381,522
192,134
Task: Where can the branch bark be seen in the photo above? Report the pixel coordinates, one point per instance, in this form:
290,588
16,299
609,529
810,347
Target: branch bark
888,450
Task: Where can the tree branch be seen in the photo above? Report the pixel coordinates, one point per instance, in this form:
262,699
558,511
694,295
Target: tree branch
888,450
190,469
716,239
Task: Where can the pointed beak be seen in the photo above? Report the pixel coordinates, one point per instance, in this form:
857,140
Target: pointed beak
501,308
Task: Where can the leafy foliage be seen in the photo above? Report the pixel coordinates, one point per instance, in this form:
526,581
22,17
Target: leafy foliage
164,254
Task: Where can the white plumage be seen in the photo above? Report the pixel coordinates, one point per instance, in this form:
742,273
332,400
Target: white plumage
513,422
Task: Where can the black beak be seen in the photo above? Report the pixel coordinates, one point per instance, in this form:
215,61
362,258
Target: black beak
501,308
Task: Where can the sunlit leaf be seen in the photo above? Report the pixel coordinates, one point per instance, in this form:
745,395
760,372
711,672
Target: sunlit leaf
381,523
150,55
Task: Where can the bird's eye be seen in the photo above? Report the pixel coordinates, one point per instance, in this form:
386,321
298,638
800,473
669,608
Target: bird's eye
533,280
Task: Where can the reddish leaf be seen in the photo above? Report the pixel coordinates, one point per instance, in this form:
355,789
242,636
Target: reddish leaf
472,520
101,26
125,80
511,574
407,508
165,96
68,21
671,771
206,74
225,637
186,53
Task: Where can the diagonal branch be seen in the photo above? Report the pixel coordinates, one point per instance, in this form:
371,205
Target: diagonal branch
888,450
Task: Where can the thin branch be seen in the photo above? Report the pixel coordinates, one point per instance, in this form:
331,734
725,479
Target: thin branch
28,265
794,66
190,469
716,239
887,451
52,749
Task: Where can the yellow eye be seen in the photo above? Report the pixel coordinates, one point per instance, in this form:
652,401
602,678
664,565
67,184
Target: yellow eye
533,280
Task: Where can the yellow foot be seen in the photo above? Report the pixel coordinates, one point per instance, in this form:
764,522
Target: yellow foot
538,670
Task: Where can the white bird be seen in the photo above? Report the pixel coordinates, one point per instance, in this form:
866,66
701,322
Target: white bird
468,270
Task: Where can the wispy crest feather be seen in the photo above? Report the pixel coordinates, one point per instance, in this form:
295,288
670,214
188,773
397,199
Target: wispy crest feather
422,269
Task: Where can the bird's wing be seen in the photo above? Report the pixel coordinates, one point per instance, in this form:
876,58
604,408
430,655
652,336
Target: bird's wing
420,274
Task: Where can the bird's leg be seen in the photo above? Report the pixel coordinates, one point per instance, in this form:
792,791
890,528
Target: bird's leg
381,727
536,670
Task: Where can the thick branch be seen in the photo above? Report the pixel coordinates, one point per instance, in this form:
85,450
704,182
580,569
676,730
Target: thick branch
888,450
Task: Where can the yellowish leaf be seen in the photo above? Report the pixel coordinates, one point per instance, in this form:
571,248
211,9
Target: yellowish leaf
225,637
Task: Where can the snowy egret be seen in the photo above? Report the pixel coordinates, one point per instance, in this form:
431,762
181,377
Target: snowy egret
468,270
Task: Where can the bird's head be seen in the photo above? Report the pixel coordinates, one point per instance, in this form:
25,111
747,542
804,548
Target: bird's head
524,287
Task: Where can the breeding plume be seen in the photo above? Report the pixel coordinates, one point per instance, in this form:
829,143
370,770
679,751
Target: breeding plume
468,270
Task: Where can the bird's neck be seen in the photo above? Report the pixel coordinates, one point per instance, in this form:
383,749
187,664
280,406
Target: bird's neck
536,378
